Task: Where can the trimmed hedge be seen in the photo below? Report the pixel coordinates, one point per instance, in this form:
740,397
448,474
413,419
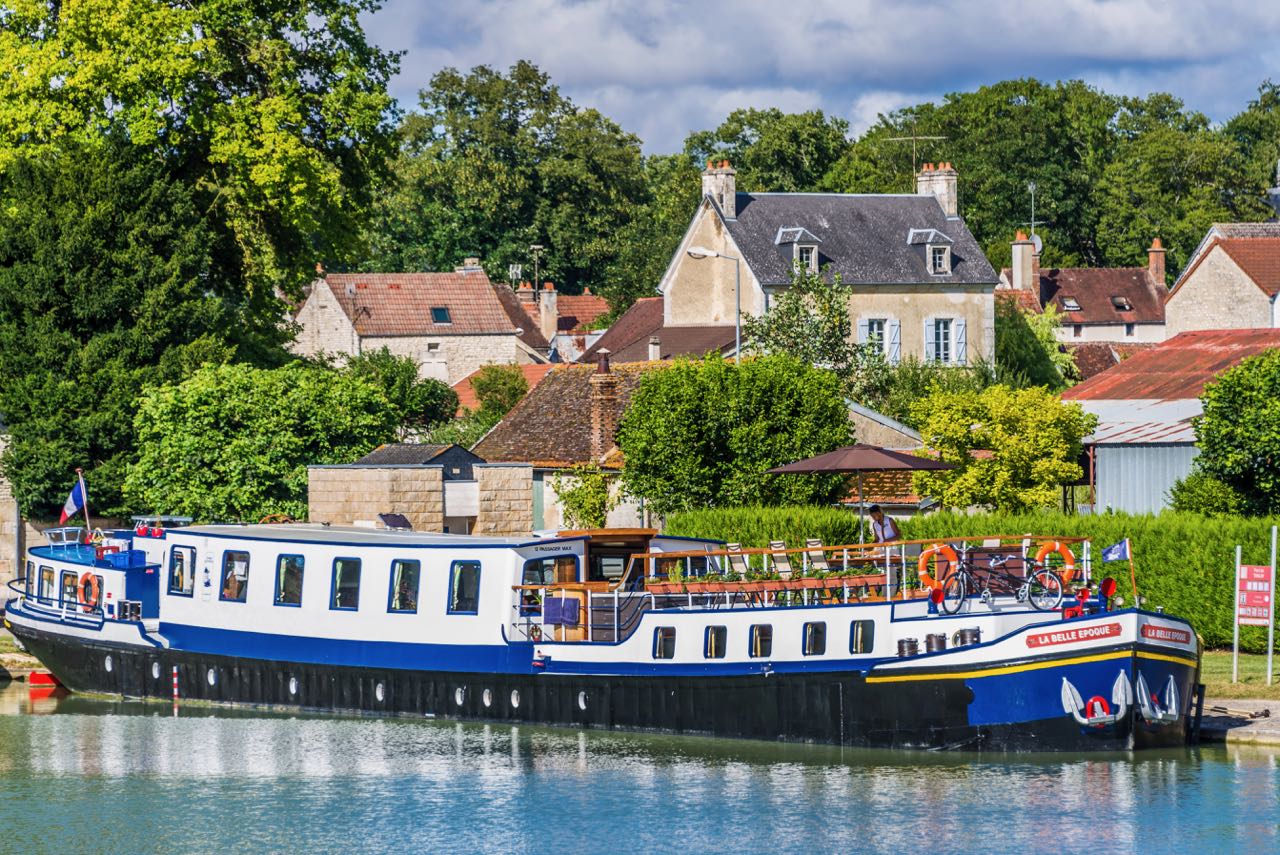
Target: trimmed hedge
1184,562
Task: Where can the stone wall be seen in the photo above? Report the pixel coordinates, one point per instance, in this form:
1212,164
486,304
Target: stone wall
701,290
1112,333
452,357
10,541
506,499
323,327
912,305
343,495
1216,296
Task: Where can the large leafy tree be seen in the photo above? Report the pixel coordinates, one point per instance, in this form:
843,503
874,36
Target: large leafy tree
1027,350
1030,441
233,442
497,162
1239,432
702,433
774,151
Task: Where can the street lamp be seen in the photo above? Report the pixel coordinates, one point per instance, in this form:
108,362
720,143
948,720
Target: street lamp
703,252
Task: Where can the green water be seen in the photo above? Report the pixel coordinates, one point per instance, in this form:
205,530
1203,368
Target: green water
82,776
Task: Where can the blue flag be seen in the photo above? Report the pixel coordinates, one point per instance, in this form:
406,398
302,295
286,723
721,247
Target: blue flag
1117,551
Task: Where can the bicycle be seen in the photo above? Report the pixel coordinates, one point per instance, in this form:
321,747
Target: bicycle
1042,588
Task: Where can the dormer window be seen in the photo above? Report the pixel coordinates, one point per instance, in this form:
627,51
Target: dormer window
806,258
939,260
440,315
1070,304
1121,304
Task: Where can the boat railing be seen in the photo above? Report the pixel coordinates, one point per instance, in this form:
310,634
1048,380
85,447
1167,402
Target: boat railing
56,607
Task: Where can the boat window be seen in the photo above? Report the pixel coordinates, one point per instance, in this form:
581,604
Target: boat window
761,640
404,585
713,646
815,638
862,636
29,577
464,587
664,642
182,570
69,583
289,580
346,584
47,591
235,576
556,570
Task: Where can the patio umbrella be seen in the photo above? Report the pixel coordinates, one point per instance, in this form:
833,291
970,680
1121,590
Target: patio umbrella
859,458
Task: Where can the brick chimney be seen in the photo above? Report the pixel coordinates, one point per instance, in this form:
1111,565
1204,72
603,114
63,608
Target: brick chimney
526,295
1155,261
720,183
470,264
655,348
939,181
604,407
1026,264
547,315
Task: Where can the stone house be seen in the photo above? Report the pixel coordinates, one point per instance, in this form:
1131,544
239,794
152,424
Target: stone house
1124,305
449,323
11,528
565,320
918,283
640,334
1232,281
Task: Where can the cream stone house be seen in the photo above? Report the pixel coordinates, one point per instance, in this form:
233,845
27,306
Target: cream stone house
449,323
1232,281
919,285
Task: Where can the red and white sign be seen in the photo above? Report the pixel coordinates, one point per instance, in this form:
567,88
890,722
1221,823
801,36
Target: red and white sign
1254,600
1073,634
1165,633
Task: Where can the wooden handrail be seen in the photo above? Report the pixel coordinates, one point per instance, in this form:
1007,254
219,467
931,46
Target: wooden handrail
860,547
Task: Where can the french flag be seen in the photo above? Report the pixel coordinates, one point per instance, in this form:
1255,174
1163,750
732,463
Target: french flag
75,502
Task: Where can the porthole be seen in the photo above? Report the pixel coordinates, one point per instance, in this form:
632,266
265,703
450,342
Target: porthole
487,697
212,676
155,670
459,695
582,700
515,699
379,692
293,685
108,664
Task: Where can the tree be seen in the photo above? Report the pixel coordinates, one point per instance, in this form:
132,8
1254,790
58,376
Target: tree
233,442
498,388
1203,494
774,151
419,402
1239,431
1027,349
584,494
1034,440
111,277
702,433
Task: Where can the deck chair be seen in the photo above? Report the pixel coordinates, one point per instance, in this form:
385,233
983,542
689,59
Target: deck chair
737,561
817,558
781,561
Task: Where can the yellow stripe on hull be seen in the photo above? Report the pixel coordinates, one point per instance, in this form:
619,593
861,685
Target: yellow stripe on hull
1030,666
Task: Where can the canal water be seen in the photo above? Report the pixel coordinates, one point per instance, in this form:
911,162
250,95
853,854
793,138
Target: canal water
83,775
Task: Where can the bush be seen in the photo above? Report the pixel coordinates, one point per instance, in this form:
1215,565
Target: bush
1201,493
1240,429
419,403
755,527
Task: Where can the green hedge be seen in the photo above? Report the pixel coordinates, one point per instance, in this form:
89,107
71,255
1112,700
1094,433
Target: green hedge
1184,562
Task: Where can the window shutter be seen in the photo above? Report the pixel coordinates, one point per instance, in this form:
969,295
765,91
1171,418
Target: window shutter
893,332
962,342
929,341
862,331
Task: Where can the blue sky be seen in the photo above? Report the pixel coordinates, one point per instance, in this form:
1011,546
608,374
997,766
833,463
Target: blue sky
663,68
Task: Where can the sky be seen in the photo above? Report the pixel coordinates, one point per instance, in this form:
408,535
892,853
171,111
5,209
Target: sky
662,68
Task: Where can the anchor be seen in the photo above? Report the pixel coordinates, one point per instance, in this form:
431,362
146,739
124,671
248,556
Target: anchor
1151,709
1097,712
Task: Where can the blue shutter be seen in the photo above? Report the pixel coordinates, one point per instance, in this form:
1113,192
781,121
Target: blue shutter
862,331
962,343
929,341
893,333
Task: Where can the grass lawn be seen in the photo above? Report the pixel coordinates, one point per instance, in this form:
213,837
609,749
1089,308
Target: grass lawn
1216,675
10,657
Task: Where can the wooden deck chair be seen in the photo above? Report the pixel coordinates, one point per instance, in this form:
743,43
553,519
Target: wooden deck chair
737,561
781,560
817,558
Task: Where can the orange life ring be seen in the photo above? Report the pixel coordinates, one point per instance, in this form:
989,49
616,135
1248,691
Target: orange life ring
1068,560
922,569
535,632
88,586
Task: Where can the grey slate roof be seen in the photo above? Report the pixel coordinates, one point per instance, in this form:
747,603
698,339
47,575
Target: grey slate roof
864,238
404,454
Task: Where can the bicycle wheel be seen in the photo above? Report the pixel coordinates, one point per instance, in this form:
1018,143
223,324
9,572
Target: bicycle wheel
1044,590
955,588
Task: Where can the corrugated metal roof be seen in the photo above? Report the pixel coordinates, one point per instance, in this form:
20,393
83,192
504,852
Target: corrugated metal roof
1128,422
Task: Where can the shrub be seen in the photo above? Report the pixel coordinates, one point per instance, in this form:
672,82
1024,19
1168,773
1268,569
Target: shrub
584,495
1201,493
1240,429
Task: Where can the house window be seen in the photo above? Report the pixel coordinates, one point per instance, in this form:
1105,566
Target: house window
46,583
440,315
1121,304
69,584
464,587
941,340
1077,330
345,592
807,258
235,576
664,642
1128,329
815,638
1070,304
761,640
939,260
182,570
404,585
875,333
714,645
862,636
289,580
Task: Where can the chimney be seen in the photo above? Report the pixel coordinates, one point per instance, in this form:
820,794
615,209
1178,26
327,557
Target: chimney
470,264
1155,261
604,407
1026,265
547,316
939,182
719,182
526,295
655,348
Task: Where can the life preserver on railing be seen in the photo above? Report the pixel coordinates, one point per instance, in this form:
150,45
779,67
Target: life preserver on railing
1068,560
90,593
535,632
922,569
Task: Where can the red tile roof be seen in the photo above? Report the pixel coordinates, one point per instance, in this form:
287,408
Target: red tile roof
1093,289
394,304
532,331
1179,368
1259,258
467,399
1024,299
1094,357
635,324
628,339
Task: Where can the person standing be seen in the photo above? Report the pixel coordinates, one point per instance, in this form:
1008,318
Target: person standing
883,528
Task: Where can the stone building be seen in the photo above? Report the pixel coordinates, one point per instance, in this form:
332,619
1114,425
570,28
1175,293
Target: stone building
1232,281
567,321
918,283
10,529
449,323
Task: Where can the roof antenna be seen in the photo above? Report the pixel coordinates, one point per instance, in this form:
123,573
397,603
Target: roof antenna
914,138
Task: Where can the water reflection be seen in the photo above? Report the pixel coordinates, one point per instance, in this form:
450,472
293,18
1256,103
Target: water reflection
215,779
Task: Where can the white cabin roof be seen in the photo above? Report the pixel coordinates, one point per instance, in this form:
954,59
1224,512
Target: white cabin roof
317,533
